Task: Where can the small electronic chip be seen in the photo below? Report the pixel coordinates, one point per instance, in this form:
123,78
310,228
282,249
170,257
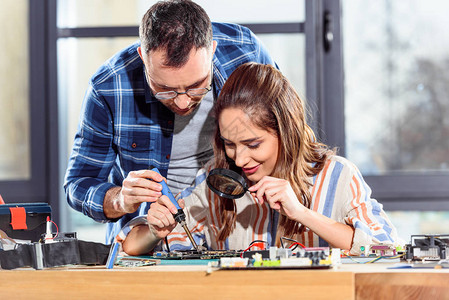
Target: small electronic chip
135,262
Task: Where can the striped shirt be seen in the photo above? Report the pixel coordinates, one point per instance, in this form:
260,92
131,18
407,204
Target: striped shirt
123,128
338,192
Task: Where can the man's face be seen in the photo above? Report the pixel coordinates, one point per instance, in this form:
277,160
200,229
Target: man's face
196,73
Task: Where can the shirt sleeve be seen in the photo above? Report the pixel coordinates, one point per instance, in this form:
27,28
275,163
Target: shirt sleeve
366,215
91,160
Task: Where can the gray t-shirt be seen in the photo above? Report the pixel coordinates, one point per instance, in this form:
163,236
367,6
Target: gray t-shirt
191,146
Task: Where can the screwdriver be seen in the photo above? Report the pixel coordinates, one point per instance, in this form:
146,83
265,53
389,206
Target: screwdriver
180,216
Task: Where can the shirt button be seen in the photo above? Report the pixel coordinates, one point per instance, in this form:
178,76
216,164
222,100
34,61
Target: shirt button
134,145
168,156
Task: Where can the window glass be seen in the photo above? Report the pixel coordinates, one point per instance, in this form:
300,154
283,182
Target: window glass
78,59
14,103
410,223
288,50
88,13
396,85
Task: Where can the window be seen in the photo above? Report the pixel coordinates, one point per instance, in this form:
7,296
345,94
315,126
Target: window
396,85
397,107
23,140
14,115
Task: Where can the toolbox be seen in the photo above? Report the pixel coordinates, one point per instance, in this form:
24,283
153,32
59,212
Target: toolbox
24,221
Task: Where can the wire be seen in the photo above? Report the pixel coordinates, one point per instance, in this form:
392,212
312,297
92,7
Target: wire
295,243
258,243
166,244
287,239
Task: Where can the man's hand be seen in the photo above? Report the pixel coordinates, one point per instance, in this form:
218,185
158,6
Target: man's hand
138,186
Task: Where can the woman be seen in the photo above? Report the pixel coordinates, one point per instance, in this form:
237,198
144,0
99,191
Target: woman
299,188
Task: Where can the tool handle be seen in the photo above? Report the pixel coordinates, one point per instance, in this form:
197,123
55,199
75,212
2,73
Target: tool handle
166,191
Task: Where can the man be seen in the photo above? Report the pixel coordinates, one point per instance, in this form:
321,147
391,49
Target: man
148,106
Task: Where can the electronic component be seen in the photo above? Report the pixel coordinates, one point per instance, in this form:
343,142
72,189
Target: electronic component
376,250
60,237
273,258
194,254
427,247
279,258
136,262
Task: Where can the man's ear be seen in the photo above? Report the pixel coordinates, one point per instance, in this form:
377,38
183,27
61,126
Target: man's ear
139,50
214,47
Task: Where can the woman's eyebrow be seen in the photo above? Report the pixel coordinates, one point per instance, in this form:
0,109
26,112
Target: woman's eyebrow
246,141
250,140
221,137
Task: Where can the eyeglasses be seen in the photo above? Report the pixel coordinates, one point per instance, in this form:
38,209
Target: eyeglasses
192,93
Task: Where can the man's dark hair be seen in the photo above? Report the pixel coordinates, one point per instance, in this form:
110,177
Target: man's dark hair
175,26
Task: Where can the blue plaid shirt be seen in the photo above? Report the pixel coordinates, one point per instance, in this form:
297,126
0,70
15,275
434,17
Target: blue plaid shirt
122,128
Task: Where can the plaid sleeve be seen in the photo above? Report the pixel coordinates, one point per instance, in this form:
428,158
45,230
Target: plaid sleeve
92,157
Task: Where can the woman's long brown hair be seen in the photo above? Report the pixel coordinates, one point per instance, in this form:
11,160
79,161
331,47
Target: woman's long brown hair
272,104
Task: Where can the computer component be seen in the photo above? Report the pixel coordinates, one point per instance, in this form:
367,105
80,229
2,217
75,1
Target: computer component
194,254
427,247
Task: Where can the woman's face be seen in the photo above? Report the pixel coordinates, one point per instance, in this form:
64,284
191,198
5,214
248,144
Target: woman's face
253,149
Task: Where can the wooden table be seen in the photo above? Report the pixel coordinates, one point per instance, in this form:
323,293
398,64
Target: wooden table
348,281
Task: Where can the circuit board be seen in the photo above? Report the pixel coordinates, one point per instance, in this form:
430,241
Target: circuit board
193,254
273,259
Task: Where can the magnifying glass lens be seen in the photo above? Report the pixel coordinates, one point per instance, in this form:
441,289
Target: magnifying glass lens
226,183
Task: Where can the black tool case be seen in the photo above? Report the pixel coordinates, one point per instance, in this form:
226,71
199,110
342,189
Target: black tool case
24,221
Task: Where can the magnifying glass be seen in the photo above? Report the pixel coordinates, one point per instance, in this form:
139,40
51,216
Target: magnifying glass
226,183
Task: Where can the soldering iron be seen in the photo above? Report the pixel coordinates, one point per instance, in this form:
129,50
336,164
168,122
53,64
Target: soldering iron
180,216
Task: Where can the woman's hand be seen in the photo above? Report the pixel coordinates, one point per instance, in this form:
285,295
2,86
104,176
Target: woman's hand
160,216
279,195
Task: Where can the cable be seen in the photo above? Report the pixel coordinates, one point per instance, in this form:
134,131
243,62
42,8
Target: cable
258,243
57,229
295,243
166,244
